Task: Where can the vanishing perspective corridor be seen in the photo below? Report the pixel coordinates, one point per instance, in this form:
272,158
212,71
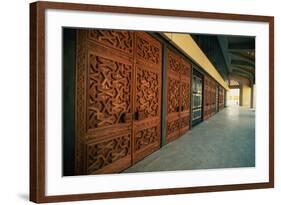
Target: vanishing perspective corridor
136,101
226,140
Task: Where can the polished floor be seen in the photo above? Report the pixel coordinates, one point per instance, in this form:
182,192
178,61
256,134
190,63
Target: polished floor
226,140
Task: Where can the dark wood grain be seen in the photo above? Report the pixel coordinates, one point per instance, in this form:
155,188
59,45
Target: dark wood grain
271,101
37,100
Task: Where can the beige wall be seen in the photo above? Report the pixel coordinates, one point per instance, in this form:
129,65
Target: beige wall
187,45
246,96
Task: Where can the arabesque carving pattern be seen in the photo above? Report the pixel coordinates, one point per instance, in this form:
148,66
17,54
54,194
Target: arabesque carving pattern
121,40
146,137
174,63
173,95
107,152
148,91
221,97
213,96
147,51
185,96
185,122
207,97
106,111
185,71
173,126
109,91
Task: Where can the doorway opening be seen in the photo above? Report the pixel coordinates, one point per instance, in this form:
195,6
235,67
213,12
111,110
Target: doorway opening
233,97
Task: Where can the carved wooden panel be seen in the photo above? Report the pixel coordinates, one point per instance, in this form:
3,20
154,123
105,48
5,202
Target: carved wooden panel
178,96
213,97
173,126
104,102
185,103
147,93
147,139
115,152
109,91
118,99
221,98
174,87
185,96
148,49
207,97
185,122
174,66
147,105
121,40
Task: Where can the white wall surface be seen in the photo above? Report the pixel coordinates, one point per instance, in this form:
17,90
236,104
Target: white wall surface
14,103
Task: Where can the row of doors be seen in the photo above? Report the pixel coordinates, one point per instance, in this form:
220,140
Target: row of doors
118,100
213,97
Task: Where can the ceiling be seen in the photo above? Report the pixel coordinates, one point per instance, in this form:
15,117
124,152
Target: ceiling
233,56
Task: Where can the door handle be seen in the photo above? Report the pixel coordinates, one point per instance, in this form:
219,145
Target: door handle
125,117
122,118
136,115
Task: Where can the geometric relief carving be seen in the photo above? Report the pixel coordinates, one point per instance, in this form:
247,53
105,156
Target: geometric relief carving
185,96
146,137
184,121
221,97
147,93
178,94
122,40
173,95
185,71
147,51
107,152
173,126
147,99
109,91
174,63
213,96
207,97
106,62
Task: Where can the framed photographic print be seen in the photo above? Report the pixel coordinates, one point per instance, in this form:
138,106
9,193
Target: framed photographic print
128,102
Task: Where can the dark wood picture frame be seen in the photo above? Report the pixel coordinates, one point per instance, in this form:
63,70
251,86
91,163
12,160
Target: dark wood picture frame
37,100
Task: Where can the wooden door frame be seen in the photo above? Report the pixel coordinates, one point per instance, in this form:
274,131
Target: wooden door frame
149,67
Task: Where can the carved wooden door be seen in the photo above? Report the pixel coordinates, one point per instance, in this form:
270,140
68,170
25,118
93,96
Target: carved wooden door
213,97
207,97
178,96
147,94
118,99
221,97
185,97
173,96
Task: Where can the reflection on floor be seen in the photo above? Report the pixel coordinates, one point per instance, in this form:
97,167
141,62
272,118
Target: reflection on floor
226,140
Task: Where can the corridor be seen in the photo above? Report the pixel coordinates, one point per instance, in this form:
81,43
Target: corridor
127,93
226,140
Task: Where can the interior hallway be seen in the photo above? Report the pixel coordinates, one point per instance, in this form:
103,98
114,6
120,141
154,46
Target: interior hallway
226,140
